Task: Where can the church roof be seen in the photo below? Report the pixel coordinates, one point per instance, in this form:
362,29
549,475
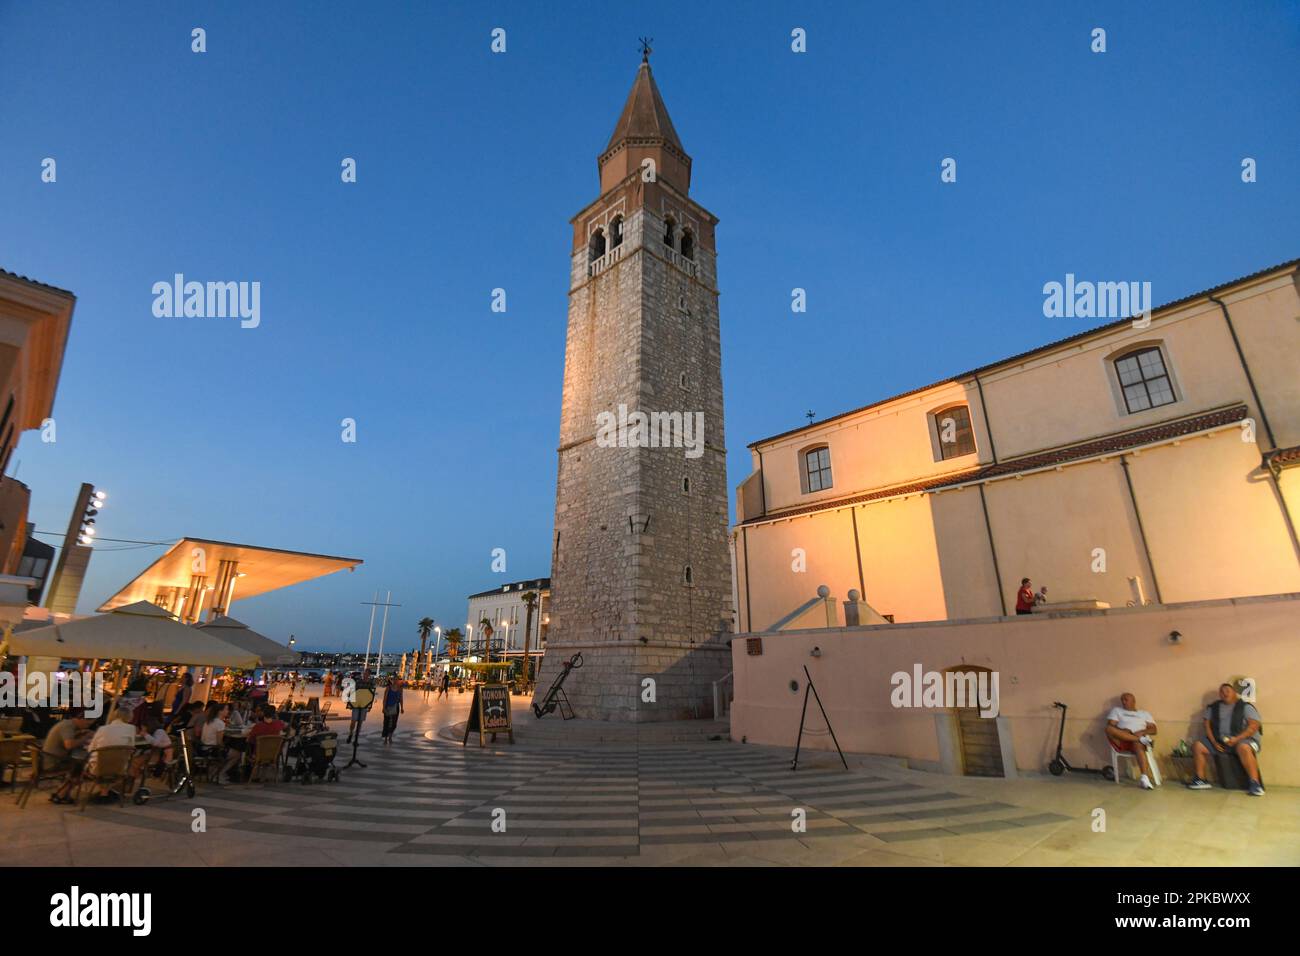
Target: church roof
1040,350
644,115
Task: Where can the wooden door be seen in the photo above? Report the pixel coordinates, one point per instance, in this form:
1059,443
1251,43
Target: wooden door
981,748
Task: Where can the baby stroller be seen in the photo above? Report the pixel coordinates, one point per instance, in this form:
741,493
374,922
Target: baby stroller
311,756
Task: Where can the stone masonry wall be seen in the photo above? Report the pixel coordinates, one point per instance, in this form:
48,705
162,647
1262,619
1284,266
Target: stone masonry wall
627,527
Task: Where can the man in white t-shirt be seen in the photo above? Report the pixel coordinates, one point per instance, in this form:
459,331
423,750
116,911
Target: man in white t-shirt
119,732
1130,730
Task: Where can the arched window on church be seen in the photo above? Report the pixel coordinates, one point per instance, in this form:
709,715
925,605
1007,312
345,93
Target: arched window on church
688,245
670,233
616,232
690,580
596,248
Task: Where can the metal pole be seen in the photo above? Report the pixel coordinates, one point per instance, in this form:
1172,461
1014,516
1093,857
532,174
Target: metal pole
379,664
824,716
373,605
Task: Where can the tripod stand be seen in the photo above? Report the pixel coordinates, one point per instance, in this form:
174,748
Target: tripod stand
356,742
362,698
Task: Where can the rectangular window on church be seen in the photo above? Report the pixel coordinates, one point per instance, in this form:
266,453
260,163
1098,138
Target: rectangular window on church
956,437
817,469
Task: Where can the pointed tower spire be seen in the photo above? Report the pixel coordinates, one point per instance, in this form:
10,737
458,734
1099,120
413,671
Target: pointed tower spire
644,131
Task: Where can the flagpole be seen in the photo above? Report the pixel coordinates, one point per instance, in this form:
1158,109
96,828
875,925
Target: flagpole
373,606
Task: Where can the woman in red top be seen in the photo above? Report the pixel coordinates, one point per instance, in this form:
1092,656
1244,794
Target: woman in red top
1025,597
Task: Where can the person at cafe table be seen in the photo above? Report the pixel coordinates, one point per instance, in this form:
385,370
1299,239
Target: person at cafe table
266,724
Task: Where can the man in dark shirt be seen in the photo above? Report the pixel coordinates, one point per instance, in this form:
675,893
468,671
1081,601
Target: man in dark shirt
1232,726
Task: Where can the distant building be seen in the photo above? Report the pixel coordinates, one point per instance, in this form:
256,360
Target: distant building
34,323
1144,461
504,607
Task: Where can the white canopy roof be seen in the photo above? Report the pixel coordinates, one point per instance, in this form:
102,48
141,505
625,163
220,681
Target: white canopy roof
135,632
271,653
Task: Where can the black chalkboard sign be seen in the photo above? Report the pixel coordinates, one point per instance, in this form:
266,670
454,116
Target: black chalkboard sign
489,713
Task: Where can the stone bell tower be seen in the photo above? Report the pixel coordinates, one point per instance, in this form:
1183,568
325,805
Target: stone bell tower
640,569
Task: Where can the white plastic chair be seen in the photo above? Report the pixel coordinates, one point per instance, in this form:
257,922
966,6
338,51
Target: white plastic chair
1115,756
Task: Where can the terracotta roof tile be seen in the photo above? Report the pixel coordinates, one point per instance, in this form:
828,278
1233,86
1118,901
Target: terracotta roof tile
644,117
1283,457
40,285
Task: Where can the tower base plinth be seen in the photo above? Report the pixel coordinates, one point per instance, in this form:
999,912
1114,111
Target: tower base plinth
637,682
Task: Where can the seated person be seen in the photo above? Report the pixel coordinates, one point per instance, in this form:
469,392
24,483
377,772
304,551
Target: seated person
64,749
185,719
238,716
1130,730
1231,726
266,724
212,741
119,732
160,752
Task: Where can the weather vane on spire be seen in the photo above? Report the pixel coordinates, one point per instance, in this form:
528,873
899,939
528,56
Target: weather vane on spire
646,48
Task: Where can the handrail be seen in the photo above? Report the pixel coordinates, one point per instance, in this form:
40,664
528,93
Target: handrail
719,705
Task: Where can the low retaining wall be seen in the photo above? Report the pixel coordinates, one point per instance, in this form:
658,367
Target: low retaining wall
1085,659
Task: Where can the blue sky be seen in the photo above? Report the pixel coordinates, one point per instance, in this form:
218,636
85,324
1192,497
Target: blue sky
823,168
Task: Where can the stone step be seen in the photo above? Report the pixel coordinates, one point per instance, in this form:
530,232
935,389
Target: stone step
553,731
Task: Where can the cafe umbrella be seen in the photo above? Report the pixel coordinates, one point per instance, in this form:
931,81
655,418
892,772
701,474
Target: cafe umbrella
270,653
135,632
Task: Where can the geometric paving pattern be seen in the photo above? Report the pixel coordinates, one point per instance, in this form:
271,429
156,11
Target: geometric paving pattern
433,798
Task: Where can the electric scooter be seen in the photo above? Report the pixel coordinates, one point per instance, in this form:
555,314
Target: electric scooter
182,778
1059,764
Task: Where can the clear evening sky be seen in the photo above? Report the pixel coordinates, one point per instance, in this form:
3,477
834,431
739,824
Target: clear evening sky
823,168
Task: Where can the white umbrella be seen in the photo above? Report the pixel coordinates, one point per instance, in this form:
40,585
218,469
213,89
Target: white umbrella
135,632
271,653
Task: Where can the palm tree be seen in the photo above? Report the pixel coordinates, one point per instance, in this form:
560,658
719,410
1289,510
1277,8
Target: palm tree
453,642
485,628
530,600
425,627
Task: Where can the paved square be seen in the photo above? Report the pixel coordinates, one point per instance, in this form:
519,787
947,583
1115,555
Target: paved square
427,801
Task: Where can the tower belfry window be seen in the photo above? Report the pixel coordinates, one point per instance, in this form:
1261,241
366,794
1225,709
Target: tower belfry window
616,232
596,248
670,232
688,244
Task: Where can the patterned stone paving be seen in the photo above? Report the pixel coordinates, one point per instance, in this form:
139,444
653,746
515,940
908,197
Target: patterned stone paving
431,798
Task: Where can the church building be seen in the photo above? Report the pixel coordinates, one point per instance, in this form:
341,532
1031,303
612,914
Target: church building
1147,461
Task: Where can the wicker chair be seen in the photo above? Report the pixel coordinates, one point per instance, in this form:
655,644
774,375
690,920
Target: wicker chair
12,752
111,765
266,753
43,768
